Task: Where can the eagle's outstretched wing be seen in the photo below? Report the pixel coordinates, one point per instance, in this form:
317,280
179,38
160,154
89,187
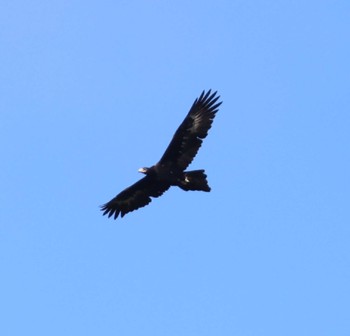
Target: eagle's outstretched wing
190,134
136,196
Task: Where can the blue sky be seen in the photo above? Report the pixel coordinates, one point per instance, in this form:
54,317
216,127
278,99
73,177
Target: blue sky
91,91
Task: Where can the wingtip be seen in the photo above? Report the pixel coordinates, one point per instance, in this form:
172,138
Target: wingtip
209,94
109,211
210,99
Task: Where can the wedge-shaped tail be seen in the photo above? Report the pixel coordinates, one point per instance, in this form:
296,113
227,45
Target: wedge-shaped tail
195,180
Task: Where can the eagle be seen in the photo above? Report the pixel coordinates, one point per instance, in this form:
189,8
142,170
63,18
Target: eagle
170,170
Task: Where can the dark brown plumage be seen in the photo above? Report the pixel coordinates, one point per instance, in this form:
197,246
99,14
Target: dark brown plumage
170,170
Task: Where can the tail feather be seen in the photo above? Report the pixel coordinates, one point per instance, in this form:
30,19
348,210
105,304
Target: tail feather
195,180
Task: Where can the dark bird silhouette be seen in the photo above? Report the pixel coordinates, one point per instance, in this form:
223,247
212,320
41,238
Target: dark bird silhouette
170,170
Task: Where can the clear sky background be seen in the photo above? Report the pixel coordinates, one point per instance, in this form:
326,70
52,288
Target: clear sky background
91,91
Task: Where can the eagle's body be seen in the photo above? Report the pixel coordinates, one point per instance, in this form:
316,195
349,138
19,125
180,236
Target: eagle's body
170,170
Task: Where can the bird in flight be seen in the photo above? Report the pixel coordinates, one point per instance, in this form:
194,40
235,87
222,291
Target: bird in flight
170,170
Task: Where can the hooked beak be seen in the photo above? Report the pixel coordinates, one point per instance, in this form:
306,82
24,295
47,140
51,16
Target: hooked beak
142,170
